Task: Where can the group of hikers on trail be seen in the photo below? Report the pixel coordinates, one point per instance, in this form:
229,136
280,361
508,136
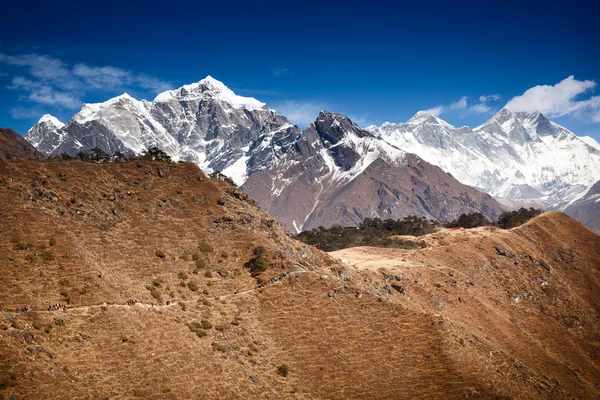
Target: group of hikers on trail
131,302
21,309
57,306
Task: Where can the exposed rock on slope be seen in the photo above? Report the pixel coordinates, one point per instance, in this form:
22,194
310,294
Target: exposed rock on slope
98,235
587,209
13,147
337,173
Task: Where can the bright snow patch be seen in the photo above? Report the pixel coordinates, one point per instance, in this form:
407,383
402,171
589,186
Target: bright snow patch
590,141
210,88
51,119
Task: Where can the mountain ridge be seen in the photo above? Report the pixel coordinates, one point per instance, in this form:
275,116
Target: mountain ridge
521,157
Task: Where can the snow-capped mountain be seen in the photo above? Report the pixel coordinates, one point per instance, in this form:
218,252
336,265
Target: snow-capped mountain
45,130
587,209
334,171
338,173
205,123
522,157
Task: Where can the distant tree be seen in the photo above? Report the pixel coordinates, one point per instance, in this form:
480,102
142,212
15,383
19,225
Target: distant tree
118,156
83,156
218,175
155,154
471,220
98,155
511,219
65,156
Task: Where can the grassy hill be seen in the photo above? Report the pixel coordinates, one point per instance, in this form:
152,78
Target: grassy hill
94,236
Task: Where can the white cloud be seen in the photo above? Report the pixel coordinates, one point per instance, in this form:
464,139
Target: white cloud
485,99
559,100
301,113
464,104
46,80
40,93
103,77
436,110
460,104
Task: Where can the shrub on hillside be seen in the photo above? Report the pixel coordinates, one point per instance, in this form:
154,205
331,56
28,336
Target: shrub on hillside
283,370
47,255
197,329
155,293
205,324
259,263
160,254
193,286
155,154
205,248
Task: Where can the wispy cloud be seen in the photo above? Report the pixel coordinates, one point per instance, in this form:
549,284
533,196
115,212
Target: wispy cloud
277,72
49,81
45,94
560,100
102,77
436,110
301,113
465,104
363,120
460,104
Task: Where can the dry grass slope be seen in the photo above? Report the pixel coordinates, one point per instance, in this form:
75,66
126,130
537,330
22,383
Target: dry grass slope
95,236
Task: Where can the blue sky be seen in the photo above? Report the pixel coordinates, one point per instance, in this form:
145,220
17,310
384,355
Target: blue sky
373,61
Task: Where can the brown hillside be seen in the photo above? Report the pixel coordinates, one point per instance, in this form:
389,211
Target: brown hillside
98,235
520,306
14,147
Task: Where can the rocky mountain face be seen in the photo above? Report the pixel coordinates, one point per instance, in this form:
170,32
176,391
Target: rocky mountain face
204,123
587,209
522,157
13,147
301,177
338,173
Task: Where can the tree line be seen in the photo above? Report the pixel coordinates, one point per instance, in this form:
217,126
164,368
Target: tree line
370,232
507,220
378,233
96,154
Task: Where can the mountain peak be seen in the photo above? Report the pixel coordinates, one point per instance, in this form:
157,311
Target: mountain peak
213,83
426,117
508,113
324,114
326,118
210,88
51,119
